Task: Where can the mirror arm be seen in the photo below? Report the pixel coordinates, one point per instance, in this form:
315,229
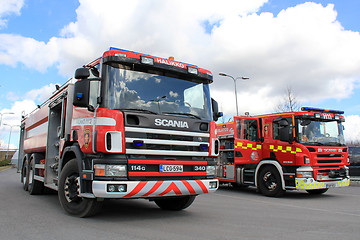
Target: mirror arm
91,108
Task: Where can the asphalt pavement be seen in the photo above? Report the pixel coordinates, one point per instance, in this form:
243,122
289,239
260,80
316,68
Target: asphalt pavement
226,214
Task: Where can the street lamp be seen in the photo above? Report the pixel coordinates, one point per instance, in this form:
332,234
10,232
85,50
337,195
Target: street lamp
242,78
11,126
1,115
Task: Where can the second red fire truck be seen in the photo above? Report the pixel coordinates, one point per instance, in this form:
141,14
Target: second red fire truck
284,151
131,126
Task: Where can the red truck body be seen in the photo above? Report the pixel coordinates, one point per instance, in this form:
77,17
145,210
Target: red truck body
131,126
284,151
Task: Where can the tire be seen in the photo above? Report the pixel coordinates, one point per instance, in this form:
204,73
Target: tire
25,173
35,187
68,193
175,203
317,191
269,182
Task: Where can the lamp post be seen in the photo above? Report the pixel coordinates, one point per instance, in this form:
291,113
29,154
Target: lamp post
243,78
11,126
1,116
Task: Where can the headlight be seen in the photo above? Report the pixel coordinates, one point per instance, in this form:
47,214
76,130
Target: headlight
110,170
213,185
210,170
304,174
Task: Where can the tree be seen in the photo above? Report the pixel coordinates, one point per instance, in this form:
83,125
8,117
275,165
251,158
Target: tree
289,102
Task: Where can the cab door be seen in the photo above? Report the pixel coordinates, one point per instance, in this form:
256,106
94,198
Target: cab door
282,146
247,143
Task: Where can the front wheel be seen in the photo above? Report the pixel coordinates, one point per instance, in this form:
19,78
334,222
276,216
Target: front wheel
269,182
317,191
175,203
69,191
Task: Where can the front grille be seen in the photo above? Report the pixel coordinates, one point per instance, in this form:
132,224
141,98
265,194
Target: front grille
166,147
166,142
329,155
329,161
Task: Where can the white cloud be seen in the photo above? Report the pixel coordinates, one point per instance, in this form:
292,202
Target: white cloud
314,55
18,109
8,7
22,107
352,126
42,94
33,54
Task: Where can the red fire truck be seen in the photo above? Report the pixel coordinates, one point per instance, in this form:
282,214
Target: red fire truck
130,126
284,151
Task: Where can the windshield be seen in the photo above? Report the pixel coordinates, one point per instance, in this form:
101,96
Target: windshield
318,133
124,89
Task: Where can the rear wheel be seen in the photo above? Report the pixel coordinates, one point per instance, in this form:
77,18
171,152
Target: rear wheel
35,187
317,191
69,191
25,173
175,203
269,182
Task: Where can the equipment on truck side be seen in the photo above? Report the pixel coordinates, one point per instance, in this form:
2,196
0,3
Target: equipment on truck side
131,126
284,151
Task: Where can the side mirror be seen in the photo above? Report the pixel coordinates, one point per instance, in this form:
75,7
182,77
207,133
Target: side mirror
283,123
285,131
215,110
305,122
81,93
82,73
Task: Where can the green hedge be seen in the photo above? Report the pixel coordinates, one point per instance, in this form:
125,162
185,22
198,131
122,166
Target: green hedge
5,162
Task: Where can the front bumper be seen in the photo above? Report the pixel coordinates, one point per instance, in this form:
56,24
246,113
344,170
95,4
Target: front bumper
149,189
311,183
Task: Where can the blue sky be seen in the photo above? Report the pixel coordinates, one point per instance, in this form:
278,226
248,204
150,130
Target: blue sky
42,42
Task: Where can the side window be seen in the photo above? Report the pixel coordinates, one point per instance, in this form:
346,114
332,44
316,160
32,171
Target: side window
94,85
238,128
247,129
276,128
252,129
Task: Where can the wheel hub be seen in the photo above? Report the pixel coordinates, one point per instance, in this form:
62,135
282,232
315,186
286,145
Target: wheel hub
270,181
72,188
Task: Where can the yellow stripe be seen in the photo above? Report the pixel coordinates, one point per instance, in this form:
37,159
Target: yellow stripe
287,149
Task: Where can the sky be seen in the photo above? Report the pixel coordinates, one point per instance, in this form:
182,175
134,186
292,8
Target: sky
313,47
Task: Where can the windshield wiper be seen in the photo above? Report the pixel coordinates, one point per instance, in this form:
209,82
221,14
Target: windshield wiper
186,114
333,144
315,143
139,110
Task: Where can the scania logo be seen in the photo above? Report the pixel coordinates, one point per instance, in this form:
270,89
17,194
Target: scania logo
328,150
171,123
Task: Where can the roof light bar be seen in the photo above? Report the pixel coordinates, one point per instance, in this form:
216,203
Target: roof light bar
311,109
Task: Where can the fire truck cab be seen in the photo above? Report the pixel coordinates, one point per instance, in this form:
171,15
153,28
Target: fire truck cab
284,151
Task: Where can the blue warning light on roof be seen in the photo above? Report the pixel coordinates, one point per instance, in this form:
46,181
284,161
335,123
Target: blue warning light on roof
311,109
